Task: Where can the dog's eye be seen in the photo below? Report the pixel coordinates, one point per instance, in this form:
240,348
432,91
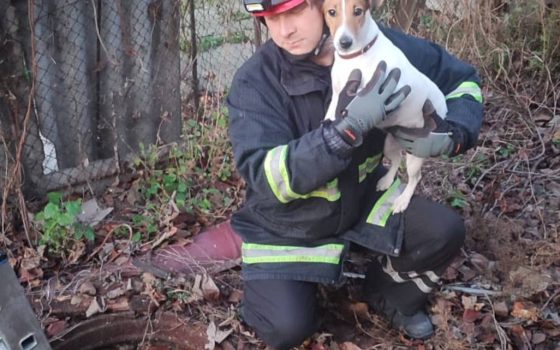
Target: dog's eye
331,12
358,11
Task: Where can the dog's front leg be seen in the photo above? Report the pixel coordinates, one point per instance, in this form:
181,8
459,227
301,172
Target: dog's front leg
392,151
337,86
413,169
331,112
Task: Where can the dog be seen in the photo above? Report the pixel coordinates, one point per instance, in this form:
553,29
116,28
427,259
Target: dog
359,43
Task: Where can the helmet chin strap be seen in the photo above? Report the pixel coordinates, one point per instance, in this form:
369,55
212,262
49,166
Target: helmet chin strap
316,51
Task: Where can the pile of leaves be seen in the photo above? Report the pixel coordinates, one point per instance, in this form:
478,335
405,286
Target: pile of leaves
502,292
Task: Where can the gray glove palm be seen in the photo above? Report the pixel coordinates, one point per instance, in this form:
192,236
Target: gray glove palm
444,139
358,113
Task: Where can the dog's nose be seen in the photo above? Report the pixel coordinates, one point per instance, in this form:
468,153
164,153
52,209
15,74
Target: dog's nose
345,41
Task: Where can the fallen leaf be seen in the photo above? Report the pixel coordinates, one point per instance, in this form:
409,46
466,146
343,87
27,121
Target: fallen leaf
538,338
235,296
115,293
93,308
55,328
470,315
119,305
31,262
209,289
501,309
92,214
148,278
349,346
525,311
221,335
441,312
78,249
32,277
211,333
470,303
361,310
530,281
481,263
165,236
196,290
227,346
76,300
317,346
87,288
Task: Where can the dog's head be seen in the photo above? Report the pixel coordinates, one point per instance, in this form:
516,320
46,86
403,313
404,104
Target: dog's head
349,22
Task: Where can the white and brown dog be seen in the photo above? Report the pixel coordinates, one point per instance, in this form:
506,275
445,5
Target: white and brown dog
360,44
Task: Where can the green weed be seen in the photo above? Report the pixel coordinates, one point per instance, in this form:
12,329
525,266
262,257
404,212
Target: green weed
59,225
457,200
474,168
506,151
185,177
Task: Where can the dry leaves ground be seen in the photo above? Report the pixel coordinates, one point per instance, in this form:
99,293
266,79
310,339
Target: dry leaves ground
502,292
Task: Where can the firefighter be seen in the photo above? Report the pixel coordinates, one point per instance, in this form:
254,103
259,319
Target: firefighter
310,192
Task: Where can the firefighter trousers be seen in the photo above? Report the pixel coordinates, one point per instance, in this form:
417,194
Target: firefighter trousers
284,312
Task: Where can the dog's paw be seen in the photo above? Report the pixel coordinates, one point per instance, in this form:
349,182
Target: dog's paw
400,204
384,183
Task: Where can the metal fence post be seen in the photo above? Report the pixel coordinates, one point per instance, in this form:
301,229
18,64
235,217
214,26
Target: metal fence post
194,54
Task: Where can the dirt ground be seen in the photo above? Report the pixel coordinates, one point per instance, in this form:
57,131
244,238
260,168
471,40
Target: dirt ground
502,292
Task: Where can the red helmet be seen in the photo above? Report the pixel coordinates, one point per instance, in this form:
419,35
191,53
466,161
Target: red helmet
261,8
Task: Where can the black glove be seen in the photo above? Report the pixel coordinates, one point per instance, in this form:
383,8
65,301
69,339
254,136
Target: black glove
445,137
356,114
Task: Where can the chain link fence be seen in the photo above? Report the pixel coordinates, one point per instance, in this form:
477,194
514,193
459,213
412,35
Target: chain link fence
217,37
85,82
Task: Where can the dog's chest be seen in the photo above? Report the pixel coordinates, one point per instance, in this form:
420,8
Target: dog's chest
367,63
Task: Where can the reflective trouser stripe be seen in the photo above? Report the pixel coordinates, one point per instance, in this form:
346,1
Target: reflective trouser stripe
466,88
413,276
264,253
276,171
368,167
430,274
383,207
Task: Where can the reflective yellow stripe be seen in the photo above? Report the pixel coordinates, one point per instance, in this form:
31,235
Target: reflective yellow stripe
264,253
276,171
466,88
383,207
368,167
291,259
329,192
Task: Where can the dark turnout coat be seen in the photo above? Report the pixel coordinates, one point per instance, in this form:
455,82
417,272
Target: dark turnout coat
303,203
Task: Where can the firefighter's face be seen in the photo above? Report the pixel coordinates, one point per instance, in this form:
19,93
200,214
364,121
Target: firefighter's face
298,30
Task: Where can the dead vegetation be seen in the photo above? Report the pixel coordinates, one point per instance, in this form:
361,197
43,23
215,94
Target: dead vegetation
501,293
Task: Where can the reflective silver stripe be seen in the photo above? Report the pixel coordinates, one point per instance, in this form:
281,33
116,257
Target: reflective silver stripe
466,88
421,285
276,171
430,274
388,269
368,167
264,253
384,205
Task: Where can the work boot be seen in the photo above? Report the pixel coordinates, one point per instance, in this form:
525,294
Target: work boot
417,325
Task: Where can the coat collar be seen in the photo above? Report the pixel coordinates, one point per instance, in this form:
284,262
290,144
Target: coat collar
300,77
